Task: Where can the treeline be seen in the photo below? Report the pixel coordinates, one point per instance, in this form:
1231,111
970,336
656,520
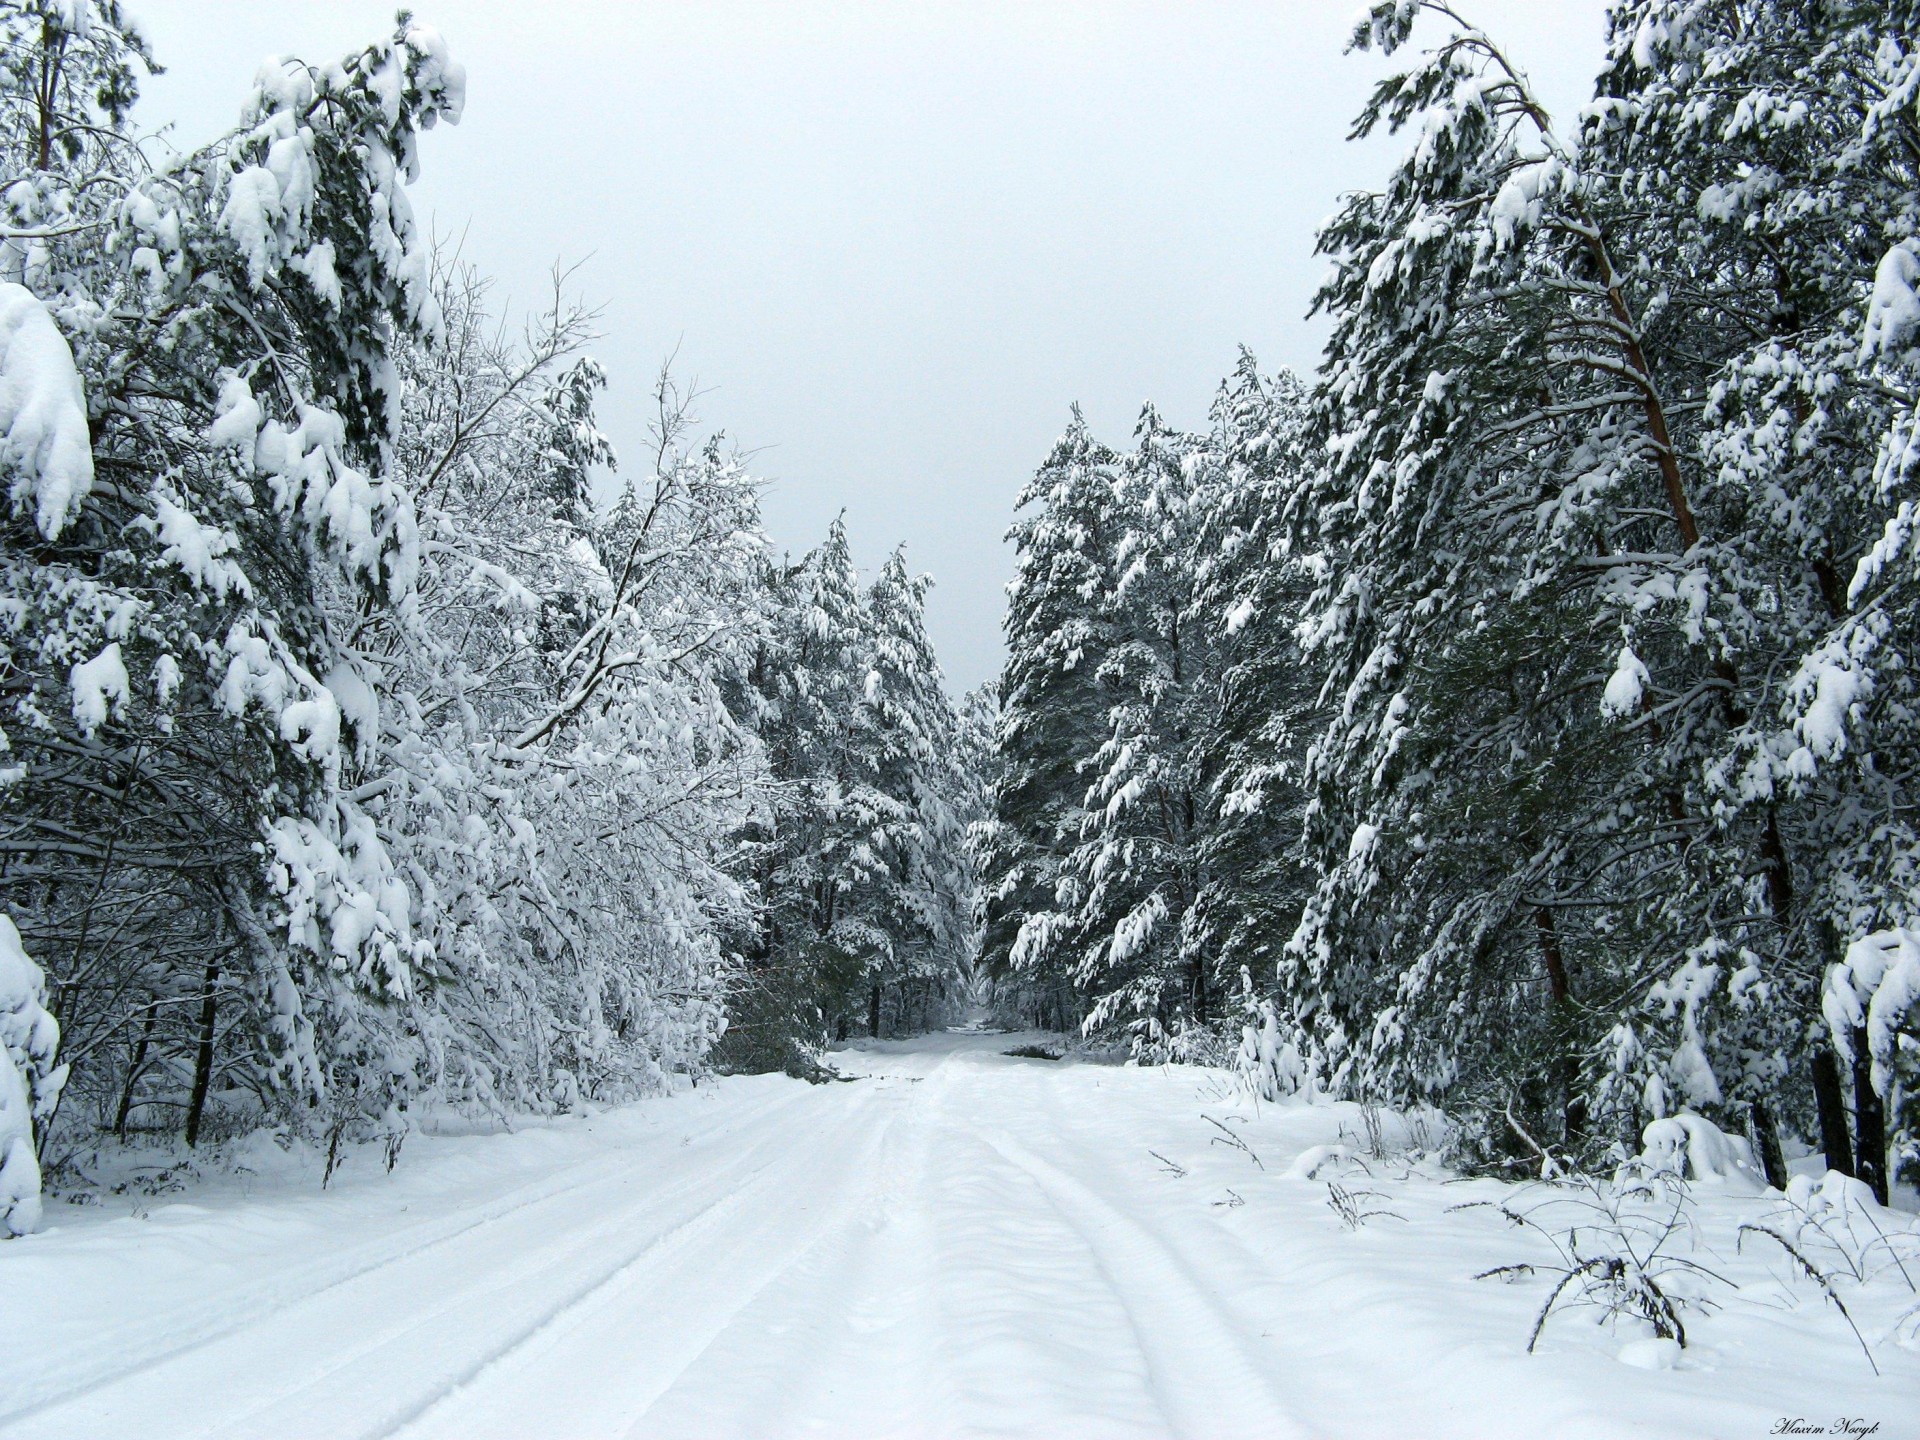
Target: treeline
865,896
1522,715
352,757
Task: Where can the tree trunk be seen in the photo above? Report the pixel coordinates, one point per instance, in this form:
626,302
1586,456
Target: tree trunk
203,1061
133,1072
873,1011
1869,1121
1566,1066
1773,853
1766,1144
1833,1111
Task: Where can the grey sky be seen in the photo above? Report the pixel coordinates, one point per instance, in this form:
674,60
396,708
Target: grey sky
897,240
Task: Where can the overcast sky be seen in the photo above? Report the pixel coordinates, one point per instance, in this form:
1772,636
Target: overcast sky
897,240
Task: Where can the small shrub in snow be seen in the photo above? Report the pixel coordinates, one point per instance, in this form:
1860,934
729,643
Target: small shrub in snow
1819,1277
1232,1138
1834,1233
1354,1207
1172,1167
1615,1248
1838,1215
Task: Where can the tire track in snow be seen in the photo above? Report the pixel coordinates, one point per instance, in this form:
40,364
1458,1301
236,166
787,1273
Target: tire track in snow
264,1304
680,1233
845,1303
1205,1351
615,1170
616,1319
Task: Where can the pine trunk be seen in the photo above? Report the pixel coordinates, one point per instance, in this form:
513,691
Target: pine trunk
1766,1144
1834,1137
203,1061
1869,1122
1566,1065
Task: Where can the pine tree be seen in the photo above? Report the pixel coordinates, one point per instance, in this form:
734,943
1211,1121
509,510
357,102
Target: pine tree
1134,877
1258,708
923,900
1526,645
178,698
1052,715
860,873
1760,167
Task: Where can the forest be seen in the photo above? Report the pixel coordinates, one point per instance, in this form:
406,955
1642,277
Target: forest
1518,714
1515,716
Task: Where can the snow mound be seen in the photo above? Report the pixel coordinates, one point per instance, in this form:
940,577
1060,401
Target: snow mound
43,412
1650,1354
1692,1147
1833,1196
267,1153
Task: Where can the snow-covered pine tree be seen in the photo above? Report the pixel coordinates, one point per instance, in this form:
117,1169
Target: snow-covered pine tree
1144,849
1526,632
1129,885
859,873
222,330
1052,718
924,899
803,694
1761,163
1883,598
1256,714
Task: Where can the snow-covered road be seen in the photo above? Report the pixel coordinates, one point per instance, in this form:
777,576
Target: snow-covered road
960,1243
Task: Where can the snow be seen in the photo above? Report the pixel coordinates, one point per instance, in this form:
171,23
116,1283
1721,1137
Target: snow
236,416
199,550
1693,1148
1876,987
436,70
252,218
358,704
1833,689
958,1243
1893,312
1656,1353
1626,686
29,1083
43,413
100,687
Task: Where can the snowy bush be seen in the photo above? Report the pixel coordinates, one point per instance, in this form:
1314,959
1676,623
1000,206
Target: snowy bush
30,1080
1692,1148
1268,1065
